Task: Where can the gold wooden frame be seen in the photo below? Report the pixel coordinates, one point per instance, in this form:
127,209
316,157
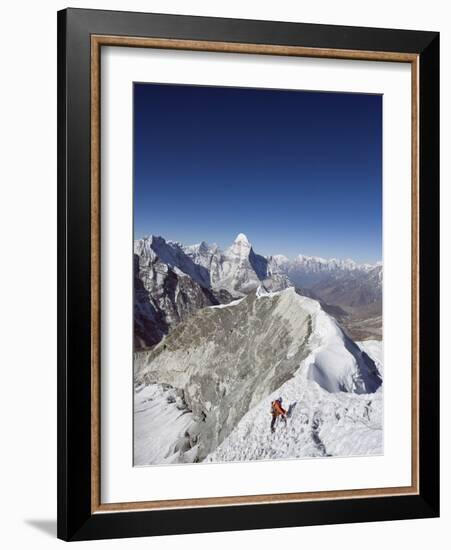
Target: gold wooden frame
97,41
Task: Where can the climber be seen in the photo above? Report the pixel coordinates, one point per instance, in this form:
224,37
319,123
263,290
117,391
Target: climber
276,411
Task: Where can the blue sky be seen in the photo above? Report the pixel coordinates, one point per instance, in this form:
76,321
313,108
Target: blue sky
297,172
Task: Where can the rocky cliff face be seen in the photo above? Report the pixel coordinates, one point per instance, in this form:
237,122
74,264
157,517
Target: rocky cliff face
172,281
225,359
164,294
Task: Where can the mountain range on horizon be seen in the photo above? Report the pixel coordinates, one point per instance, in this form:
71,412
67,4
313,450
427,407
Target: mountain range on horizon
281,258
173,280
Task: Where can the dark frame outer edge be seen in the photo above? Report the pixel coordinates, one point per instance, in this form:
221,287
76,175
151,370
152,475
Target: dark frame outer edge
429,188
62,433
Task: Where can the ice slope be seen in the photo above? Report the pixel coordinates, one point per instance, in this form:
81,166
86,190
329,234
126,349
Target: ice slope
161,427
227,360
375,350
320,423
336,362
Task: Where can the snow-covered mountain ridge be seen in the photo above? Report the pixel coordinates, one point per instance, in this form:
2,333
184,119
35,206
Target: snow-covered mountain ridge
227,360
320,424
317,264
211,266
173,280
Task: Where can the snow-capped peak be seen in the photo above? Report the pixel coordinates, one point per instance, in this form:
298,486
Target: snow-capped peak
240,248
242,239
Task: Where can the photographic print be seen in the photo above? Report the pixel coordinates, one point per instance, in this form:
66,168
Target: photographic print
257,274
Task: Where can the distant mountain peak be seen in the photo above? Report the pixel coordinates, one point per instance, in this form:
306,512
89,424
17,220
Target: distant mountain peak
203,246
242,239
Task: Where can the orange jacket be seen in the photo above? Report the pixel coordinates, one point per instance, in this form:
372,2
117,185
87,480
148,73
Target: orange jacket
277,409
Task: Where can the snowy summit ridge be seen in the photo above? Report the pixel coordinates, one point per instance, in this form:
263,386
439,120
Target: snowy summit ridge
227,363
241,238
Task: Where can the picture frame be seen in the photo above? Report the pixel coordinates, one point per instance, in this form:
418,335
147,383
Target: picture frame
81,36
